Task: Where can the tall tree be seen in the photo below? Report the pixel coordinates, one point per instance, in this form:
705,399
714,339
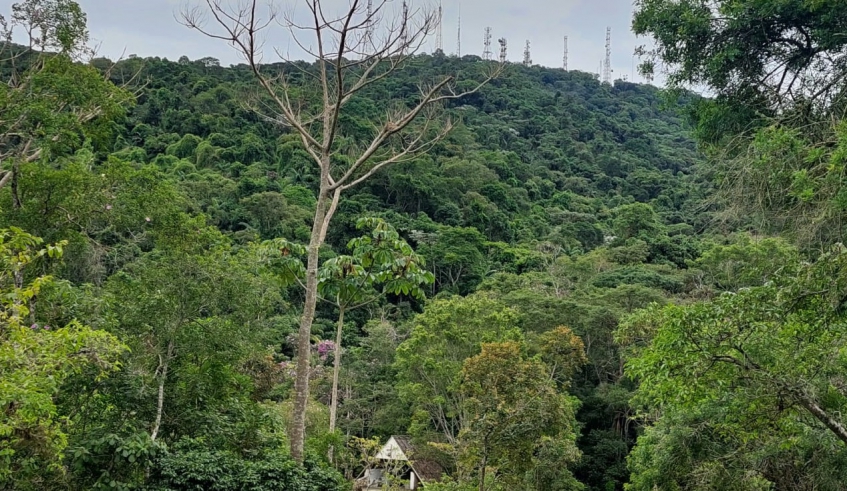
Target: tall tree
49,103
762,59
766,360
429,363
35,360
180,309
352,50
777,72
515,410
379,263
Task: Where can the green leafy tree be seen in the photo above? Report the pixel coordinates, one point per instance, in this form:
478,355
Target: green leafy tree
457,258
638,220
564,354
380,263
50,104
764,361
762,59
776,122
514,412
745,262
790,181
429,363
35,360
182,309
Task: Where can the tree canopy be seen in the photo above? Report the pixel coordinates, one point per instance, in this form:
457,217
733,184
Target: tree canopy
558,290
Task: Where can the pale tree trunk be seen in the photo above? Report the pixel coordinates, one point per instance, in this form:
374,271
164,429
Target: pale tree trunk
336,369
5,179
304,335
324,210
160,402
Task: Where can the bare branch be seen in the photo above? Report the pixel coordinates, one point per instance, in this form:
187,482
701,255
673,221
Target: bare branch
390,128
412,150
339,74
5,179
242,32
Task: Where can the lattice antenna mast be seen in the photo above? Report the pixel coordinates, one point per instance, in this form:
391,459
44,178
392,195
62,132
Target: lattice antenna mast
459,34
439,40
369,31
527,59
404,34
502,42
565,57
607,62
633,66
486,53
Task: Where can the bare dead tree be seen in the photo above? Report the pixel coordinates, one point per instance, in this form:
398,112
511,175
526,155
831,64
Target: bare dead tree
352,50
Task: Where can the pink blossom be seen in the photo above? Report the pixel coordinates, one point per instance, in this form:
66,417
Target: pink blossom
108,207
325,347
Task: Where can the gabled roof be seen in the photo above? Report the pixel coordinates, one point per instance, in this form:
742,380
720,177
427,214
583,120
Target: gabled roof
427,470
396,448
405,444
400,447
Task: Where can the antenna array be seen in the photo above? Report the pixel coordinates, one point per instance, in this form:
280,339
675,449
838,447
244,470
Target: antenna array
369,31
486,53
404,33
459,34
604,72
607,62
439,40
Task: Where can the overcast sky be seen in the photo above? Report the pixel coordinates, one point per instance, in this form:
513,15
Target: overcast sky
149,28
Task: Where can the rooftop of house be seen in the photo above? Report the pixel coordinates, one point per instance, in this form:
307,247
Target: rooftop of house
401,447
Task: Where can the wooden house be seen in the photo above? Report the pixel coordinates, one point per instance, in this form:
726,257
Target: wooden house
399,468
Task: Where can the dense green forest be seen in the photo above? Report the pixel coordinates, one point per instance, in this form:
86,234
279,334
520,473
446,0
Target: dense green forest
579,286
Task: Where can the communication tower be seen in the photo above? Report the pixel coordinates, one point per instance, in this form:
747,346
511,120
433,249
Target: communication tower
439,40
634,54
527,60
502,42
486,53
459,34
565,57
404,32
607,62
369,30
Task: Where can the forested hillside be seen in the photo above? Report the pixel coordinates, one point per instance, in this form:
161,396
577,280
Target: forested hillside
532,146
564,291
